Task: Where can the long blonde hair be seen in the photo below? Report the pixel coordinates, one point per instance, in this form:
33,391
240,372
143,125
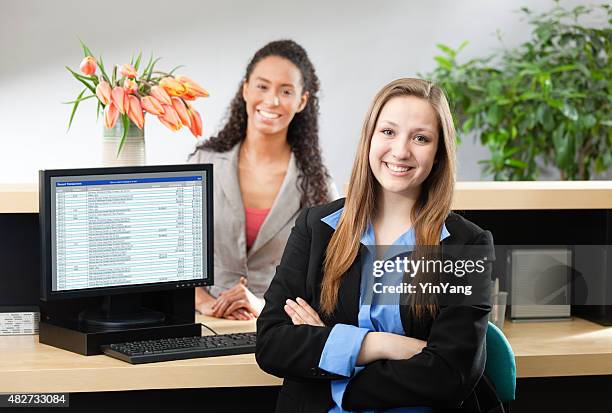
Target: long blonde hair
430,210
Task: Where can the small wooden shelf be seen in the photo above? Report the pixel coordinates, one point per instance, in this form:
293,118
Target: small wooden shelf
533,195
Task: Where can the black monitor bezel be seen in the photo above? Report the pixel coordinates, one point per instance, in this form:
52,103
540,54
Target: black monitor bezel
44,182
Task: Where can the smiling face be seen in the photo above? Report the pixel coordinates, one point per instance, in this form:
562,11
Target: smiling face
273,94
404,145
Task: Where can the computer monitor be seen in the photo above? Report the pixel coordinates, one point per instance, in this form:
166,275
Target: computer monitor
116,232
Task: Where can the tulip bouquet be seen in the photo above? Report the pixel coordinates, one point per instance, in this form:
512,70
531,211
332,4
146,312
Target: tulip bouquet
126,94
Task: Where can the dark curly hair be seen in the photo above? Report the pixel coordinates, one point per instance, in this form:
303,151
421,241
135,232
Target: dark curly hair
303,133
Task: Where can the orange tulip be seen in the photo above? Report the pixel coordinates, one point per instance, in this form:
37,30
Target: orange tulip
174,88
110,116
135,111
128,71
196,123
151,105
103,91
181,110
130,86
120,99
170,118
193,89
161,95
88,66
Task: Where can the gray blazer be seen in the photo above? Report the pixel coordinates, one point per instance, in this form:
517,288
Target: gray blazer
231,260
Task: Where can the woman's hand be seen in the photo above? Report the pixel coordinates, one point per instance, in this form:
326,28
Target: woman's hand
301,312
204,301
238,302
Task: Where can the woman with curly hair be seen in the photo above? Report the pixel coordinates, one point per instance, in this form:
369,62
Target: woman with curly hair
268,166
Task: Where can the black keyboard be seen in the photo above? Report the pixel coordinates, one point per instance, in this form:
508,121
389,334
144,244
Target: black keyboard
149,351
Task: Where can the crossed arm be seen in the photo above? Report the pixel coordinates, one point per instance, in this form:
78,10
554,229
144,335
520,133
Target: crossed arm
375,345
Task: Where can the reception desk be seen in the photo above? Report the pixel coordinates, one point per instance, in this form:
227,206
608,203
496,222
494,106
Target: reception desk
569,358
542,349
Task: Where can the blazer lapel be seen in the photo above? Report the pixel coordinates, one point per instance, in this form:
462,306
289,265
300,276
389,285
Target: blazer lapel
226,177
285,206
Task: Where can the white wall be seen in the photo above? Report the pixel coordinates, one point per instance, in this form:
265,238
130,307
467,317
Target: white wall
355,46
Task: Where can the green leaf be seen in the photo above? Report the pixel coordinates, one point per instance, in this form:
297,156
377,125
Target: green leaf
86,50
569,111
494,87
103,70
144,72
79,99
588,121
151,68
515,163
74,108
467,125
443,62
545,117
126,126
449,52
493,115
138,61
175,69
563,147
83,80
564,68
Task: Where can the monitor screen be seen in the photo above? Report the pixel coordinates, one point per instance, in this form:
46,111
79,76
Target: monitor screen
126,228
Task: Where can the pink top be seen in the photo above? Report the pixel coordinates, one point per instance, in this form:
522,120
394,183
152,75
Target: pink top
253,220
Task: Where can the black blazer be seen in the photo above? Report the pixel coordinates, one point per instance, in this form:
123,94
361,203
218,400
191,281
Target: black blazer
446,374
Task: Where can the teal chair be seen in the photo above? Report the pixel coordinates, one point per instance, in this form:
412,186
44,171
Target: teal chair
500,366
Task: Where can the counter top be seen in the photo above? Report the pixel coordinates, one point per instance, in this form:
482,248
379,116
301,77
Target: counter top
560,348
542,349
28,366
481,195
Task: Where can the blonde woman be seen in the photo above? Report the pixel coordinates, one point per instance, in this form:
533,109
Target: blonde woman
336,347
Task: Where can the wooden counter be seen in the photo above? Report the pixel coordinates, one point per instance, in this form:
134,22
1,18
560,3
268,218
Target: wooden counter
560,348
542,349
482,195
27,366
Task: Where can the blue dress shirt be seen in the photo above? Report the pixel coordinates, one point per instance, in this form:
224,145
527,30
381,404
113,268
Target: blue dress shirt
376,313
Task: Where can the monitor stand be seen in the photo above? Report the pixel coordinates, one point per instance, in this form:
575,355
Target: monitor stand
60,326
119,312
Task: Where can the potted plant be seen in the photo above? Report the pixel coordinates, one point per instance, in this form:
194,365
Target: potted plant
546,102
125,95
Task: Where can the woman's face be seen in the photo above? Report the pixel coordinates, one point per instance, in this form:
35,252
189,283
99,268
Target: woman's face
273,95
404,145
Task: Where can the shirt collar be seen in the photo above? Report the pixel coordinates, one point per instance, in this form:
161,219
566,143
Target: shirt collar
367,238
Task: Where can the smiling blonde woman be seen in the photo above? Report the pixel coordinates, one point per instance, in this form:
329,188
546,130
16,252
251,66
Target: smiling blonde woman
336,345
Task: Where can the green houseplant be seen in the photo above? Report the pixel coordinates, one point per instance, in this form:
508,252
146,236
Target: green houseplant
546,102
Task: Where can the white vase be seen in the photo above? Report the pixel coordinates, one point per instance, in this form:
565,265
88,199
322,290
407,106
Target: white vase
133,150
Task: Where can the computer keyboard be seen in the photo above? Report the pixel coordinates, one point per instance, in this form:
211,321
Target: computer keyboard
149,351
